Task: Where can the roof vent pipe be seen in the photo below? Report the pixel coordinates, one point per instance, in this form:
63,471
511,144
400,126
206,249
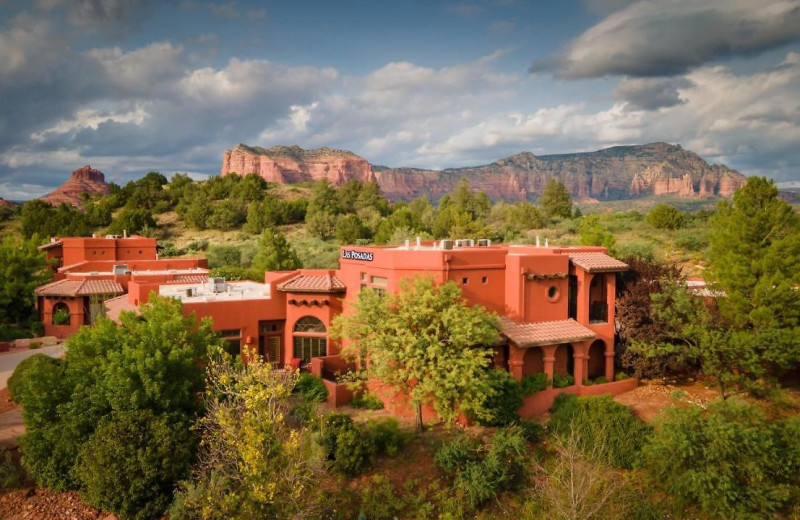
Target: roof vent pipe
546,242
419,242
407,243
537,240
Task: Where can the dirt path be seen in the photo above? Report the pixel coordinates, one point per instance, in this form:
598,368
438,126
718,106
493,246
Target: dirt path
649,399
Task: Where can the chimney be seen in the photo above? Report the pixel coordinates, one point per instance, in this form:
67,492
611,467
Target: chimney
407,243
124,233
419,242
537,240
546,242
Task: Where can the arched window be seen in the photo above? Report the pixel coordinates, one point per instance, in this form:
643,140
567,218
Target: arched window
60,314
310,338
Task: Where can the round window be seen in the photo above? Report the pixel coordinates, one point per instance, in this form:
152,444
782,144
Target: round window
552,292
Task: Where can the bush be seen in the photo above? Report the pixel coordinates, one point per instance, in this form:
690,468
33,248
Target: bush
621,376
531,430
367,402
16,381
33,345
563,381
480,472
534,383
386,435
11,475
354,451
595,417
379,501
330,426
311,388
664,216
132,461
690,241
731,460
600,380
644,251
506,401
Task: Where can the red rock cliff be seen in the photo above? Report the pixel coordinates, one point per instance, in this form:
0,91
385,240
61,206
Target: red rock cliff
289,164
621,172
82,180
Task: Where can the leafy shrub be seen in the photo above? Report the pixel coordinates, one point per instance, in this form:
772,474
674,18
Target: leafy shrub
506,401
600,380
731,460
330,426
621,376
61,317
596,417
534,383
386,435
132,461
354,451
563,381
531,430
11,475
480,472
379,501
367,402
311,388
690,241
664,216
349,448
33,345
645,251
16,381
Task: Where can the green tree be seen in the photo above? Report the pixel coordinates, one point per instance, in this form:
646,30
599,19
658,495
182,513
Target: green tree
22,268
226,215
754,258
274,254
730,460
252,464
131,463
349,229
555,200
321,223
131,221
426,342
664,216
593,233
149,363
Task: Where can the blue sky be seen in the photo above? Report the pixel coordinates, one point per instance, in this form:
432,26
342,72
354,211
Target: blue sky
130,86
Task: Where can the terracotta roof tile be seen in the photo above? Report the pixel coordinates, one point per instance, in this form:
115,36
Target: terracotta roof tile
545,332
80,288
597,262
189,278
322,283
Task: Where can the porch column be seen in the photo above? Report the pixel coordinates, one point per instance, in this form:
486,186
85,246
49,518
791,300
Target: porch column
610,363
516,361
549,359
579,362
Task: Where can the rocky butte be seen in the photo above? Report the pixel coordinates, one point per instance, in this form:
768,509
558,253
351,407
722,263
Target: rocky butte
290,164
83,180
621,172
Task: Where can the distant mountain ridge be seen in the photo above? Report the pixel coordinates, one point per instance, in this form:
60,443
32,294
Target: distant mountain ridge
617,173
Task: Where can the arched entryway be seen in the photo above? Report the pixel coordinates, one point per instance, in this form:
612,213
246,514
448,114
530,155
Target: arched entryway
597,359
61,314
565,361
310,338
533,361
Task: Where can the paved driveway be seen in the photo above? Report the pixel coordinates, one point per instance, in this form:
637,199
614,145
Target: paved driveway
10,360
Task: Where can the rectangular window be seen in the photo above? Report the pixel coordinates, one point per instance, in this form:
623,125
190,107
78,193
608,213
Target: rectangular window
485,279
306,348
379,280
231,333
266,327
364,277
233,346
465,281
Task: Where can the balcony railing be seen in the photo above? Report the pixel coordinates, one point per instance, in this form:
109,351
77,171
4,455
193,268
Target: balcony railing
598,312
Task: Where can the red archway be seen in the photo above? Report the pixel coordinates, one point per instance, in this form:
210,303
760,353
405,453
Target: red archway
533,361
597,359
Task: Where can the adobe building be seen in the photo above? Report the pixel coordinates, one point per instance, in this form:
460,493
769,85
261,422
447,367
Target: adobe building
89,271
556,308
